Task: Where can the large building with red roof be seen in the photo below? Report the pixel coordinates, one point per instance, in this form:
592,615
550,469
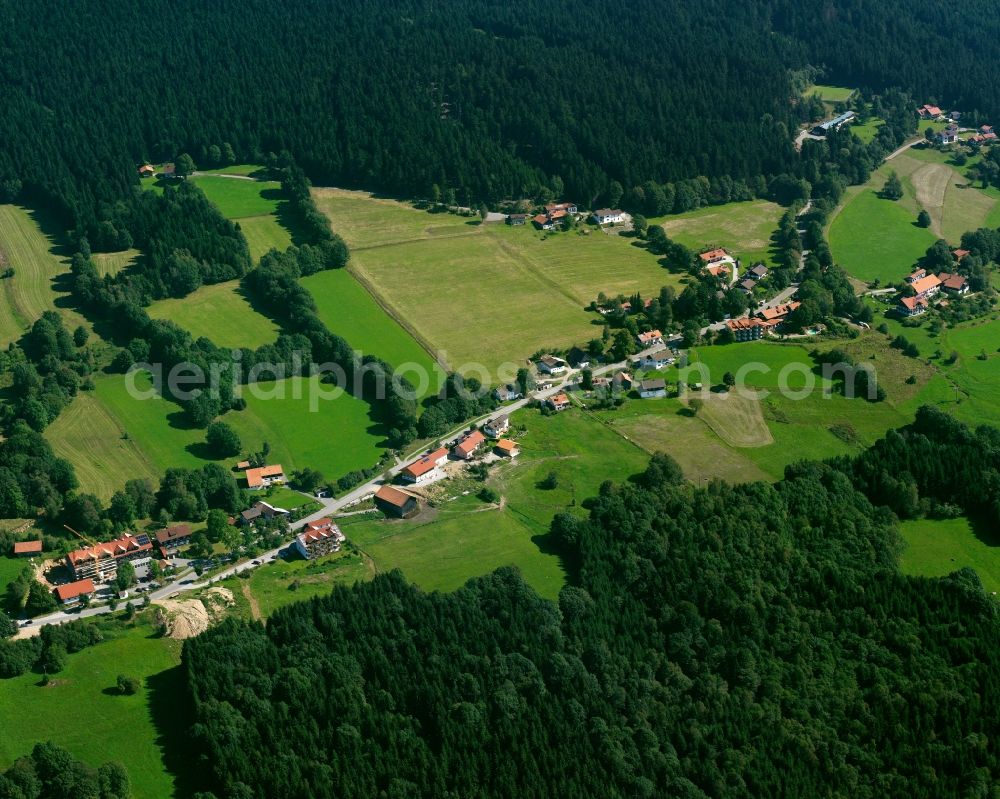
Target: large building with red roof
101,561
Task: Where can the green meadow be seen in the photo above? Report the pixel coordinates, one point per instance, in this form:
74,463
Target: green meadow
786,412
220,313
32,253
112,437
868,130
81,711
937,547
484,294
111,263
830,94
744,228
90,436
350,311
253,204
461,537
878,239
10,567
295,580
334,436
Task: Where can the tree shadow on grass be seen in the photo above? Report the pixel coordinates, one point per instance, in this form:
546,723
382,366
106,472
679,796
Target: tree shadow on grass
985,531
288,218
170,707
200,449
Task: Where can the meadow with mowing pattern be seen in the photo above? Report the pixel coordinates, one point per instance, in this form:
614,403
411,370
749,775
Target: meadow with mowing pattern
744,228
348,310
486,294
81,710
221,313
90,437
33,255
874,238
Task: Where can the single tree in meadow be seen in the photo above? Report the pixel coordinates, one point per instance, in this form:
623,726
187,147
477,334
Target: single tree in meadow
893,188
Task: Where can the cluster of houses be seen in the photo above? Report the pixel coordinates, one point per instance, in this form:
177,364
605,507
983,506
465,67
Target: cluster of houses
925,286
428,468
718,263
555,213
950,134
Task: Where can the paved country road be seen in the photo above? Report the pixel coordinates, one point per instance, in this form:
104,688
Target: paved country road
330,507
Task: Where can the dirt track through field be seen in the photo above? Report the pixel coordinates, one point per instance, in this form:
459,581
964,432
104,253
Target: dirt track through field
252,601
930,183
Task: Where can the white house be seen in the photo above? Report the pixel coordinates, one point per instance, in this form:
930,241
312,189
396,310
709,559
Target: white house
651,389
608,216
495,428
657,359
551,365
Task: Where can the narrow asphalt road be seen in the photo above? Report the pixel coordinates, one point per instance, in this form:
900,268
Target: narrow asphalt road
184,583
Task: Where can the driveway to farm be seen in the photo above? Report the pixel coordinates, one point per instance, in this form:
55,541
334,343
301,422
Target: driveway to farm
330,507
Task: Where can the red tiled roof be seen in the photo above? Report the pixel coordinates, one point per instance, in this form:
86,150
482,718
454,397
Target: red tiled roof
778,312
73,590
26,547
170,533
951,280
120,547
393,496
426,463
744,324
713,255
541,219
319,530
960,253
925,284
652,335
911,303
506,445
469,444
255,477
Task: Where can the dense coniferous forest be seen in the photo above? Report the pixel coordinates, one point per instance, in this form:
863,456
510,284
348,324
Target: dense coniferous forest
720,641
488,100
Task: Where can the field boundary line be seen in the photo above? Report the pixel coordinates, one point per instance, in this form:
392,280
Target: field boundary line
382,244
368,285
536,270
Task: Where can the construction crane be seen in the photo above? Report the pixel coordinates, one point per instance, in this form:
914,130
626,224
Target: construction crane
81,536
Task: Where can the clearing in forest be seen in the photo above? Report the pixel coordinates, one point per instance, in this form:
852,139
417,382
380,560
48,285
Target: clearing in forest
255,205
483,294
221,313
